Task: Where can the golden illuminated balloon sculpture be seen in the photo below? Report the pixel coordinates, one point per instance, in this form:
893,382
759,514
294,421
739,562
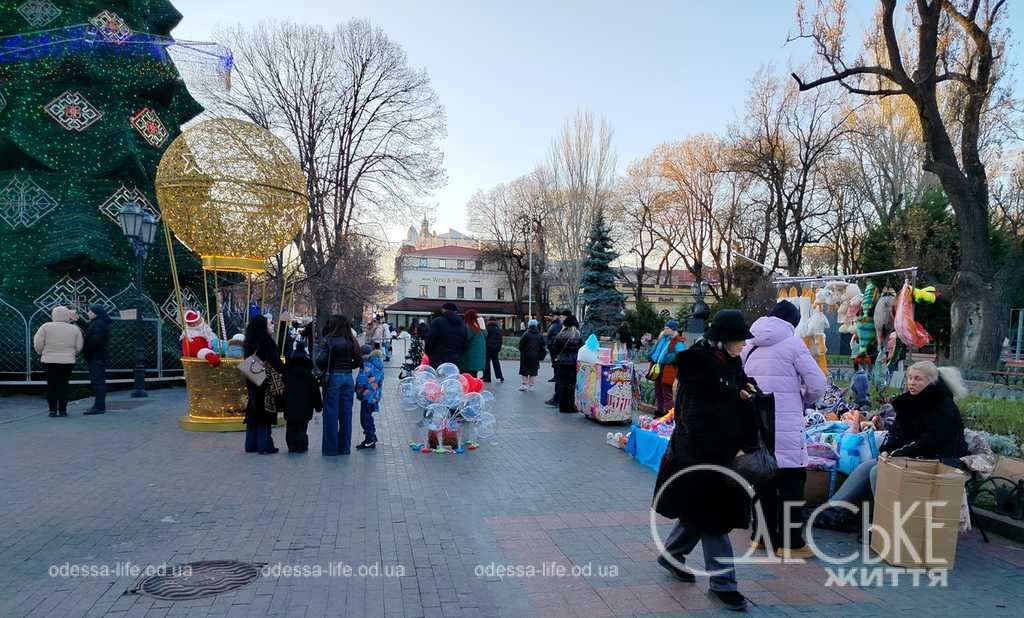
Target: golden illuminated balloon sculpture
233,193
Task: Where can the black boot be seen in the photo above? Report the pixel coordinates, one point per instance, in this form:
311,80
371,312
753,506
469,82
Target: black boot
731,599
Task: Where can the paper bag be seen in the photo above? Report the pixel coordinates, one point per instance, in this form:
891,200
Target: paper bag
917,512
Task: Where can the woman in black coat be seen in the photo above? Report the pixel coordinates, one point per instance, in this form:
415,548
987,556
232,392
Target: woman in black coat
563,354
95,350
715,419
258,421
928,426
531,353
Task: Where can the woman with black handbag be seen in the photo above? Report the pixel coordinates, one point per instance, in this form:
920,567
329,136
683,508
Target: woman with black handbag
715,419
258,421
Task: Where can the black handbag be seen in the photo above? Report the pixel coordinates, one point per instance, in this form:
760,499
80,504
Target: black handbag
759,465
324,356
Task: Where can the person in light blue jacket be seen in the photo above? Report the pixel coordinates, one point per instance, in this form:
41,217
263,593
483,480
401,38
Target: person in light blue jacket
369,390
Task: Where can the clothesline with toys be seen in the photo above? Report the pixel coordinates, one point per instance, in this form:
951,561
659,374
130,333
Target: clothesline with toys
873,316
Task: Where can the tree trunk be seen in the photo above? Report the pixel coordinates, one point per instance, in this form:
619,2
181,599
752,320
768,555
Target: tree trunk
978,316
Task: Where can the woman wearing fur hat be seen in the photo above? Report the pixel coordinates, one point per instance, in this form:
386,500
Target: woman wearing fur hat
58,342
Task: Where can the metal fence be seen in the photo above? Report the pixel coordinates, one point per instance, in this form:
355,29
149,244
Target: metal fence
19,363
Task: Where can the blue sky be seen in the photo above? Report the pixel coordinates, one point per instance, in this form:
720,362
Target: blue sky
509,73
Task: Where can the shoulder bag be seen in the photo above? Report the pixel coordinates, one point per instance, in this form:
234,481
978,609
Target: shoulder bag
254,369
759,465
654,371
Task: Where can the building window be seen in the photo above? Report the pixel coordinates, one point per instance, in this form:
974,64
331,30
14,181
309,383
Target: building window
461,264
442,292
460,292
442,263
478,293
479,264
423,262
501,294
423,291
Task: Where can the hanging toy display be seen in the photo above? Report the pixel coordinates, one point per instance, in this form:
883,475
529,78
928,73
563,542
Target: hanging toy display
817,324
907,329
456,412
865,324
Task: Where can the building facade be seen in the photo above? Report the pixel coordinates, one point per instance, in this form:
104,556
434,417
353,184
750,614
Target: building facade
426,279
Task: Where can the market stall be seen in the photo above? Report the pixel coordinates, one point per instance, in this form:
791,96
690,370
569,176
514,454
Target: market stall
647,446
604,390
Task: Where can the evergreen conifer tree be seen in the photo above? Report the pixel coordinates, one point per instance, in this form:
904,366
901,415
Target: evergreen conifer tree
603,302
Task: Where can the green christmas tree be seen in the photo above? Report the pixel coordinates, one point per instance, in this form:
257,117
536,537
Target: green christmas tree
603,303
89,101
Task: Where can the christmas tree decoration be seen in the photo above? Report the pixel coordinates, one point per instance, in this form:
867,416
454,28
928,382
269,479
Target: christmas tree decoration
233,193
148,124
23,203
73,112
124,196
111,27
604,305
39,13
92,99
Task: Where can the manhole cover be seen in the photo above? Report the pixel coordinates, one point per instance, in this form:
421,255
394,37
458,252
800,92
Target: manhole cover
197,580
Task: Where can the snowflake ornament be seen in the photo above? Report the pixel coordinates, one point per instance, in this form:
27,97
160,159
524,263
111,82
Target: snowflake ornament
72,111
39,12
77,294
150,127
23,203
111,27
124,196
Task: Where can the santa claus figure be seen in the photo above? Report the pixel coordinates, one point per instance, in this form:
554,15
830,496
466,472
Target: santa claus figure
195,342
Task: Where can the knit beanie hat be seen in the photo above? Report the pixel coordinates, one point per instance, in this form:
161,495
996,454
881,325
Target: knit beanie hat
787,311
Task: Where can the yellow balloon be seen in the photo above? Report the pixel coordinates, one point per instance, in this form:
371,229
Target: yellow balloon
233,193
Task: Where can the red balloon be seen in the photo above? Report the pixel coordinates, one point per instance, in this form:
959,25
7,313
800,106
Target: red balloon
478,385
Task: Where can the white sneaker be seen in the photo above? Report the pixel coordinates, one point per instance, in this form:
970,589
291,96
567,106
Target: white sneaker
522,387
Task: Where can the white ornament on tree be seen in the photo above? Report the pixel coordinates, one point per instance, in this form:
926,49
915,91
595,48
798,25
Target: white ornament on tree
23,203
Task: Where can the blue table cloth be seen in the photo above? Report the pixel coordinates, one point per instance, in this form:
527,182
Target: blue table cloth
647,447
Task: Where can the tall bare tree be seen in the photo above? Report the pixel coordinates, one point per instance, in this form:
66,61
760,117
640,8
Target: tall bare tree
785,142
642,192
580,176
959,48
364,123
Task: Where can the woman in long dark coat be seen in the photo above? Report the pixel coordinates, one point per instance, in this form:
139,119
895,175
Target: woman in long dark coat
531,353
258,421
563,352
715,420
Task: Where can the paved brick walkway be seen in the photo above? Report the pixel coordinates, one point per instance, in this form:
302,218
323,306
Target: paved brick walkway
131,486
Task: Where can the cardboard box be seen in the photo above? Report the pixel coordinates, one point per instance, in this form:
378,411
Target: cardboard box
821,484
1009,468
917,512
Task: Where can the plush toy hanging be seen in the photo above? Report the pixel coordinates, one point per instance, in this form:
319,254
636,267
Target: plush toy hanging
909,331
817,323
866,323
884,317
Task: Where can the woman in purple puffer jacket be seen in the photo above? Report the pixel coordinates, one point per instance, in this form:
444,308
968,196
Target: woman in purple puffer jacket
782,365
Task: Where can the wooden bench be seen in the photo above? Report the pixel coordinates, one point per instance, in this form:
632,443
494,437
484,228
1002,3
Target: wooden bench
1013,370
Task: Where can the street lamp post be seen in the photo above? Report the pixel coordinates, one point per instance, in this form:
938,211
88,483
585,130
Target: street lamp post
140,228
700,309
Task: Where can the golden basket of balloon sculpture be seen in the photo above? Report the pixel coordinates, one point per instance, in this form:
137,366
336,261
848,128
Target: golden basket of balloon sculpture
234,194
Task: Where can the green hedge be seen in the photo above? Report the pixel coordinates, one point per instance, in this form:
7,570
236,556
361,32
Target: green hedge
993,416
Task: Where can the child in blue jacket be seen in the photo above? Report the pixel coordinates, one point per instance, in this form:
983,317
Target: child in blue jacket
368,390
